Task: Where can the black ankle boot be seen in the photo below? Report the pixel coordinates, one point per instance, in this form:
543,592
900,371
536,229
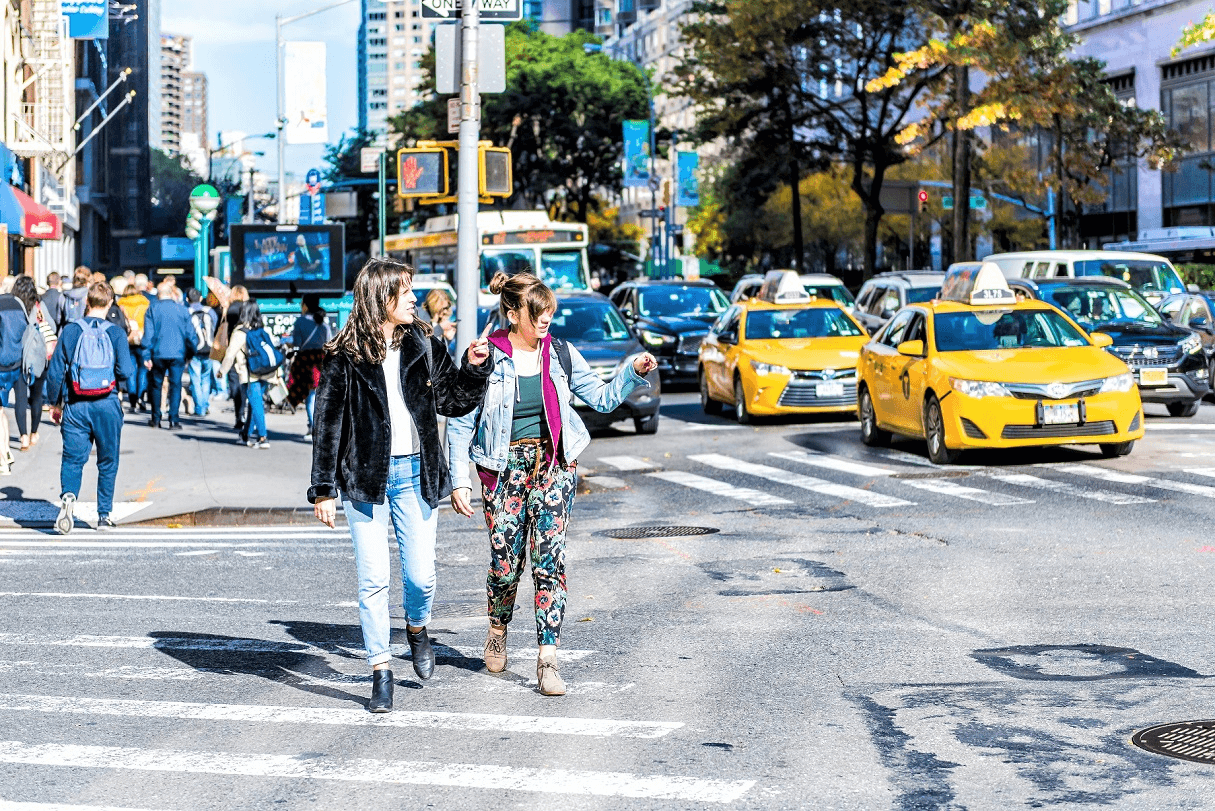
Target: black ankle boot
422,653
381,691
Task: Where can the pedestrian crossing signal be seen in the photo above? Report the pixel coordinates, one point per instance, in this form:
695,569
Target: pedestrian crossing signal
495,167
422,173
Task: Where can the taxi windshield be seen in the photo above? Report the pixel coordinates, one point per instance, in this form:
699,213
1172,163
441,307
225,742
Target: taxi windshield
812,322
1102,306
1010,329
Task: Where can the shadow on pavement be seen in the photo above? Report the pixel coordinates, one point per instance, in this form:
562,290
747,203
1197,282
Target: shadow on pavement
26,512
341,639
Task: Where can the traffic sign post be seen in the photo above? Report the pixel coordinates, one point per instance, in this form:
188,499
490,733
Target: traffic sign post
490,10
468,202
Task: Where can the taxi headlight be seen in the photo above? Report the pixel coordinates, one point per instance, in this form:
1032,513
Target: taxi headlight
769,369
656,339
1191,345
979,388
1123,382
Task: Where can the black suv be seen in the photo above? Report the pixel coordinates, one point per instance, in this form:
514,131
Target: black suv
887,293
671,317
1168,361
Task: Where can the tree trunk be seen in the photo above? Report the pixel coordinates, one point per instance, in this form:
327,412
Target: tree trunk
1061,237
799,249
961,168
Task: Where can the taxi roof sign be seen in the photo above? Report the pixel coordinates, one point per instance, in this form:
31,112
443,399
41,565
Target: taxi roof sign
976,283
782,285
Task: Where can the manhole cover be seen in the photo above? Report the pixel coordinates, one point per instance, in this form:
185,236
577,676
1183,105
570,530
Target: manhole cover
1187,740
630,533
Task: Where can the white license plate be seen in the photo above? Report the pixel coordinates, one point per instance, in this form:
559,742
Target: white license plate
1154,377
832,389
1060,414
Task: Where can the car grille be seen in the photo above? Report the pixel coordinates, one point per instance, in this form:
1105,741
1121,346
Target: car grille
971,430
1040,391
689,342
803,396
1135,356
1099,428
818,376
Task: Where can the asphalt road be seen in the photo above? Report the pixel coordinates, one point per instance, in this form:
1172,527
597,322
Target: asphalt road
863,630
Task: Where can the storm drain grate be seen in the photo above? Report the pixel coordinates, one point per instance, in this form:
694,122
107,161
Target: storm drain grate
632,533
1187,740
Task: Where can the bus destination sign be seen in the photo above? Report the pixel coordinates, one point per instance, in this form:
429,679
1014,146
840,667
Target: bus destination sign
531,237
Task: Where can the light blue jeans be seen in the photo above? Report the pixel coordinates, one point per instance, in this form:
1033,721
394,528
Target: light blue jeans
202,379
414,524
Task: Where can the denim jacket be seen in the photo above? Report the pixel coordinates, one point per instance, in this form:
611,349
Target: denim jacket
484,435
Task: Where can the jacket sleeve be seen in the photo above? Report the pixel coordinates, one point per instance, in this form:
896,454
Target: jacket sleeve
459,438
592,390
149,329
56,375
327,428
457,391
236,345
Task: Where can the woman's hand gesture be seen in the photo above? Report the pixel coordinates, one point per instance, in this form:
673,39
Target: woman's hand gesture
325,510
478,352
644,364
461,501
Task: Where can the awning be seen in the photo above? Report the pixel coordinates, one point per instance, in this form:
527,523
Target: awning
26,218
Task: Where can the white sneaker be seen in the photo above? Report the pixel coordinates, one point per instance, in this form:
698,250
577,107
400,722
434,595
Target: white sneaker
308,437
65,521
263,444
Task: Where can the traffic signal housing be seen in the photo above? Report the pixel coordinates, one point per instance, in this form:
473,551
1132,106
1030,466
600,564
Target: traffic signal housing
422,172
496,175
922,197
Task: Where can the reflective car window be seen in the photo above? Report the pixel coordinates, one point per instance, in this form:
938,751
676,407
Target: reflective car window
1016,329
682,301
889,302
1097,306
893,334
812,322
588,322
919,295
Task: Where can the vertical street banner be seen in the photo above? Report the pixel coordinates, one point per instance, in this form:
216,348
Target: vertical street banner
688,191
636,154
87,19
304,93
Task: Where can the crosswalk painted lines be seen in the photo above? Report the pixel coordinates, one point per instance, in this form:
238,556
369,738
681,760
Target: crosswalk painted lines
810,483
400,772
945,487
1110,475
720,488
7,805
628,463
1107,496
834,463
336,716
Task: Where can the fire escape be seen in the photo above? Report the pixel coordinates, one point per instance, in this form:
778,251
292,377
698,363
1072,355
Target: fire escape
43,128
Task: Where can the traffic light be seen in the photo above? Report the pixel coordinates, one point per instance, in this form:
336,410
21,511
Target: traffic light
497,179
422,173
923,198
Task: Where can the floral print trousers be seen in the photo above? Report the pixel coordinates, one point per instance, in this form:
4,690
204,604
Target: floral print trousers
529,511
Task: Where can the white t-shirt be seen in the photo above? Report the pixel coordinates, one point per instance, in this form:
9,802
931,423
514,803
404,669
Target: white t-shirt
405,440
527,364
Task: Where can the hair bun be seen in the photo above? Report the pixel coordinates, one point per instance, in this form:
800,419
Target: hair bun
498,282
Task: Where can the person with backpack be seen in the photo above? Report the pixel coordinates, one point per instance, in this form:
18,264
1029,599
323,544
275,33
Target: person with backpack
75,301
527,440
256,358
309,336
134,305
377,448
233,311
202,374
53,299
168,337
37,345
13,322
90,362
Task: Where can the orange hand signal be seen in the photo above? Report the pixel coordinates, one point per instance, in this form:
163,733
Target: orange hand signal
411,172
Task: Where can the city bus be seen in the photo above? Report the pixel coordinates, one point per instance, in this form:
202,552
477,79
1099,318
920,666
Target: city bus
508,241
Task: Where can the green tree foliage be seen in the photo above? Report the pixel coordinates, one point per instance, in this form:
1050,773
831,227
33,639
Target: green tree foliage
834,219
1196,33
172,181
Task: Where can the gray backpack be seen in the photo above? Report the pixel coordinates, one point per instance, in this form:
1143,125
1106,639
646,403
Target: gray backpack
33,351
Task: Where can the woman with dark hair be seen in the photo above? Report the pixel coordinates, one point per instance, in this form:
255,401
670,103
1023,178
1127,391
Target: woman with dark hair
231,320
252,385
29,392
309,336
377,448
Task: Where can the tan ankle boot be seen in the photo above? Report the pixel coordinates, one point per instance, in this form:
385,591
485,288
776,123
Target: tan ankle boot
495,648
547,676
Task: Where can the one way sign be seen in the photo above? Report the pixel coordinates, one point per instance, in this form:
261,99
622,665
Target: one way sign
495,10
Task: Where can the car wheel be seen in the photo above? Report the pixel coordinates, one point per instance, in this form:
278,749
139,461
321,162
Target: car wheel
740,403
1183,409
934,431
707,403
871,434
646,425
1112,449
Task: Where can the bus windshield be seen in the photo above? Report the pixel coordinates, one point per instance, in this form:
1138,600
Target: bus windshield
1014,329
562,270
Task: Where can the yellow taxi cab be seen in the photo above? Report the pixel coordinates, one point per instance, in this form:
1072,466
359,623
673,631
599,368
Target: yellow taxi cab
975,368
782,352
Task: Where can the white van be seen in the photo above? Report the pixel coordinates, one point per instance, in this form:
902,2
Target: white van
1153,276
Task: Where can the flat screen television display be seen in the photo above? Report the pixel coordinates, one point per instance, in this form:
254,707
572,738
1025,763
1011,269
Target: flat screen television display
288,260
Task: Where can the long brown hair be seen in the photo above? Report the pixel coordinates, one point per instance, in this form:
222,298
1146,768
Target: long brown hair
522,290
376,289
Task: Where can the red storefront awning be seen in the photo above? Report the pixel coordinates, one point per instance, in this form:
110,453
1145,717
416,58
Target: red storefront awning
26,218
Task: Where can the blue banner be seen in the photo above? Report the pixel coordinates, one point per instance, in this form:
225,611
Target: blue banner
87,19
636,154
688,193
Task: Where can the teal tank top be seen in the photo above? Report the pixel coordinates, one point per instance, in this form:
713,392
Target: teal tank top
528,421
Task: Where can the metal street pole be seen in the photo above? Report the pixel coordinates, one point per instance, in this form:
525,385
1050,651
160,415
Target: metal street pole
383,198
655,248
249,202
668,239
468,267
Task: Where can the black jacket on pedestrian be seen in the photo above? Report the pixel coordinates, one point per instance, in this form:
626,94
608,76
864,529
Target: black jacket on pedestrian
351,428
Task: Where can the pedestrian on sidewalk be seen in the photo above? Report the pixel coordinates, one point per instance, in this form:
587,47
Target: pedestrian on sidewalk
53,299
91,360
527,440
439,308
309,336
31,385
75,300
232,317
134,305
377,448
168,336
251,336
13,321
202,374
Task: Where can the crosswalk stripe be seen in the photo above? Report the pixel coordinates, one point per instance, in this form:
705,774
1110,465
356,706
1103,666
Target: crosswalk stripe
1106,474
54,543
606,482
628,463
719,488
6,805
425,773
834,463
945,487
337,716
63,595
1108,496
810,483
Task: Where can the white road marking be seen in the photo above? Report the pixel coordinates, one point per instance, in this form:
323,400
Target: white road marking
426,773
1209,472
946,487
198,552
1106,474
607,482
810,483
6,805
338,716
1108,496
718,488
834,463
629,463
703,426
67,543
1153,426
152,597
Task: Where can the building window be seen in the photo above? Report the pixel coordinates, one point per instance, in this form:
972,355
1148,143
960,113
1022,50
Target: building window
1186,101
378,42
376,16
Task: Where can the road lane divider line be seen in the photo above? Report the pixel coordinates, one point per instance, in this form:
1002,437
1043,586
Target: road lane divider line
945,487
1109,475
337,716
821,486
1107,496
364,770
720,488
834,463
629,463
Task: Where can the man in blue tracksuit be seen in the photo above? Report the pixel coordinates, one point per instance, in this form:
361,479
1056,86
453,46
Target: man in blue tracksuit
12,329
88,419
167,335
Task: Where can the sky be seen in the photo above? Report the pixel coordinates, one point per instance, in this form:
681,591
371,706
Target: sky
234,46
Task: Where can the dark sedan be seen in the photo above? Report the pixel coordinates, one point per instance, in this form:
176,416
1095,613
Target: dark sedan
671,317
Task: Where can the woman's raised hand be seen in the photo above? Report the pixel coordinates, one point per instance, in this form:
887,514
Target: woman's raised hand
478,352
644,364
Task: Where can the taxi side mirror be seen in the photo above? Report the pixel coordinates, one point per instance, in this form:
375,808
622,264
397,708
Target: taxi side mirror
1101,340
914,349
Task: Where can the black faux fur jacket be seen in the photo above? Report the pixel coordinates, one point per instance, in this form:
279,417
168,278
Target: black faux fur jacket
351,429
